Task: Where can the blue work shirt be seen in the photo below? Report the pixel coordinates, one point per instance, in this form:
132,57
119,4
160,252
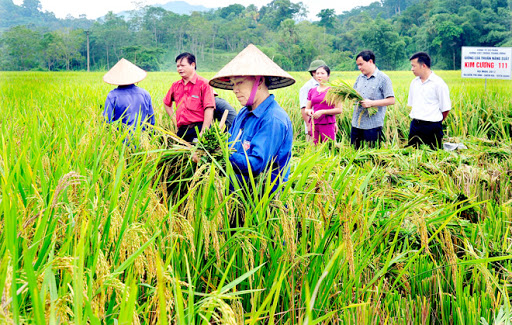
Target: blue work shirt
125,103
265,142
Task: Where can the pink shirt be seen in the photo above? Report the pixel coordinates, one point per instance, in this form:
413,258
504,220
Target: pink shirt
318,103
191,99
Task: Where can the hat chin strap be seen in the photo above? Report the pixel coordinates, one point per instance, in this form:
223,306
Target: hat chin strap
250,101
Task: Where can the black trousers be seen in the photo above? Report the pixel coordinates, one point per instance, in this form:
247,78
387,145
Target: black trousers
188,132
425,132
372,137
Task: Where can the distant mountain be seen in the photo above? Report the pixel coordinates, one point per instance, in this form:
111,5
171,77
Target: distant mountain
178,7
182,7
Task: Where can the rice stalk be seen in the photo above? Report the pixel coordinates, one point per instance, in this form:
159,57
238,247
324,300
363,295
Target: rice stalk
341,91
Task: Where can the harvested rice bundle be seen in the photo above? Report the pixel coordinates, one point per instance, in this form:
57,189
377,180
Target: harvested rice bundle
371,111
212,144
173,160
341,91
177,159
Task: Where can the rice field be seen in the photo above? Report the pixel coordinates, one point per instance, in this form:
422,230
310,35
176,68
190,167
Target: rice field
95,229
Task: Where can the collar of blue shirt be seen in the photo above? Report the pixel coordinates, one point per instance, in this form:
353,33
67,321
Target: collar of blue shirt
262,108
126,86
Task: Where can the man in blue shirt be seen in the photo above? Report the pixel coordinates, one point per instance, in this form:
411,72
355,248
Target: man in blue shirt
265,141
262,132
128,103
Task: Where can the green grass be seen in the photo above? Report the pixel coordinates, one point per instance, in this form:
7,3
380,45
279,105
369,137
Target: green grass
92,232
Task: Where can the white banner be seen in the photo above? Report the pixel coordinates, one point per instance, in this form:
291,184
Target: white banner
486,62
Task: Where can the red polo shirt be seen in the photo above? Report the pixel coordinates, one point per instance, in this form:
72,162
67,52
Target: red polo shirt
191,99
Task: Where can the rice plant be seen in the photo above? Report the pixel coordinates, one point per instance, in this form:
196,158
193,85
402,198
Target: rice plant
96,229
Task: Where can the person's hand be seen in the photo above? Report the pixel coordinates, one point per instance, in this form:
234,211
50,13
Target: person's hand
318,114
366,103
336,128
309,112
195,157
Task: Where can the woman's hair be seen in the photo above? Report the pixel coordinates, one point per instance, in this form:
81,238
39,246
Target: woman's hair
326,68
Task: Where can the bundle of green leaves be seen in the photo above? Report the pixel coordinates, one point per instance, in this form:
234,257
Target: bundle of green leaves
212,145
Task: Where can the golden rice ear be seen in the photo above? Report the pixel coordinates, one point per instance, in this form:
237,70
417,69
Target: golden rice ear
341,91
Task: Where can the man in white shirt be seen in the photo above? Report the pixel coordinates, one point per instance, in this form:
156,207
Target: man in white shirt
303,93
429,98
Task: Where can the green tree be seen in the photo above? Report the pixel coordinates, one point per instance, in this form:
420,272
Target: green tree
22,48
315,43
108,38
53,48
74,41
447,39
288,44
327,18
231,36
231,11
252,13
145,57
153,36
153,22
33,7
496,26
472,26
199,32
278,10
380,37
62,49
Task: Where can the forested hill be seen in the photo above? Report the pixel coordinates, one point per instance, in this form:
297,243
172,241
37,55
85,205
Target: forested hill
152,36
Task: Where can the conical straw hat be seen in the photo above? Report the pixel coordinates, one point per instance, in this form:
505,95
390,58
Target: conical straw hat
124,73
252,62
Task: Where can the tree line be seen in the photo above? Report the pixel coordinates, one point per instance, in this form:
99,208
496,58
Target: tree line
151,36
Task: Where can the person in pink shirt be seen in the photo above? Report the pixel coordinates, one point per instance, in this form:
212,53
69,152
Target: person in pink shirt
193,97
322,115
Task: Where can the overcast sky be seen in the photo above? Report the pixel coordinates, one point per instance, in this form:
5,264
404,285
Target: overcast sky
97,8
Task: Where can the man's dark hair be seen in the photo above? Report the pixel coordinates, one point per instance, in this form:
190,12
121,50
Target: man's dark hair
367,55
326,68
189,56
423,58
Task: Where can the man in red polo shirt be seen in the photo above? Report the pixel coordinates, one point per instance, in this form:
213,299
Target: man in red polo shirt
193,97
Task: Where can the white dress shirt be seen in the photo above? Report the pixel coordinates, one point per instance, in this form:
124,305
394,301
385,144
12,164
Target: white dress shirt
303,93
429,99
303,96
